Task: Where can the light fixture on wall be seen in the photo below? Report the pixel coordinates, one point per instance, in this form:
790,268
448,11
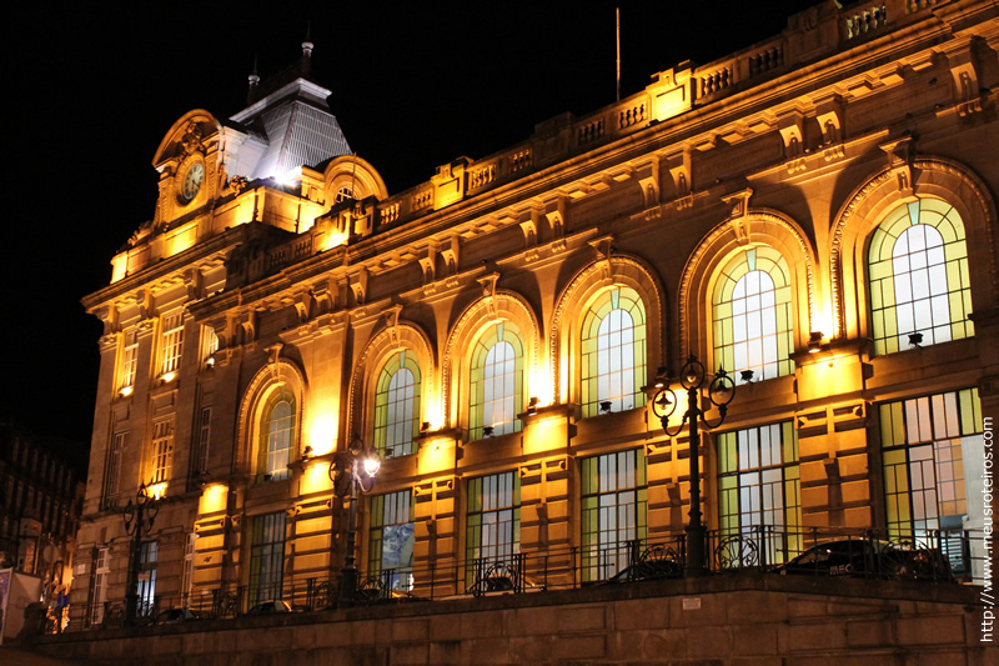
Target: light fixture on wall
605,407
487,431
532,406
815,342
661,375
916,340
746,376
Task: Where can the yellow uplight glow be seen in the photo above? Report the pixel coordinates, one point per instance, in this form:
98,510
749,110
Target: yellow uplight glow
126,391
315,478
322,434
213,498
169,377
157,490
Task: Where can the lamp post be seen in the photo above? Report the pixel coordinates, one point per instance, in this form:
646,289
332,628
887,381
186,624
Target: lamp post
139,516
352,469
721,391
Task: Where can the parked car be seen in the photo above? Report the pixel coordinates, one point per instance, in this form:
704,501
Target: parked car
271,607
176,616
655,563
870,558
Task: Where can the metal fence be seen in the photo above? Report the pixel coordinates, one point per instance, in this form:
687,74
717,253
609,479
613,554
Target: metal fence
930,556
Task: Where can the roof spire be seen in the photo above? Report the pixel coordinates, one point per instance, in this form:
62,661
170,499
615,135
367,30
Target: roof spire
254,81
307,47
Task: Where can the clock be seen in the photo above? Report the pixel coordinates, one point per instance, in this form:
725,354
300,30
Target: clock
192,181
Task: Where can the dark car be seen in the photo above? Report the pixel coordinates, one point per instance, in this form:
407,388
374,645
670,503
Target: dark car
270,607
870,558
656,562
176,616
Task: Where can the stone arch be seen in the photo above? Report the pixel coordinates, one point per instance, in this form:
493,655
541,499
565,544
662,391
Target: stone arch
735,234
357,174
380,348
499,305
864,211
585,287
270,378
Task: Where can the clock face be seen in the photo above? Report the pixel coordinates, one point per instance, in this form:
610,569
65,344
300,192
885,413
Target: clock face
192,181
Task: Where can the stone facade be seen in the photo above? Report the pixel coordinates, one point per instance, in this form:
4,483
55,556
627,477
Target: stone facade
500,328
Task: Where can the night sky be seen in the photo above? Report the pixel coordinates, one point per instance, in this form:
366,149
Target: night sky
96,86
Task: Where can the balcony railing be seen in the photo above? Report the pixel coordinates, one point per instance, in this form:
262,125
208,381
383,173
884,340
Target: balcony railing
928,556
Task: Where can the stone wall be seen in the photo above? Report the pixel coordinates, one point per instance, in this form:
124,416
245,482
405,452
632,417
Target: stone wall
745,619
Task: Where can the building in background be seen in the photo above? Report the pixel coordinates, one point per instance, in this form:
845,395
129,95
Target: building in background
41,500
818,209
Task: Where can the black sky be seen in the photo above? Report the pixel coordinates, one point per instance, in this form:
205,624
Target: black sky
96,86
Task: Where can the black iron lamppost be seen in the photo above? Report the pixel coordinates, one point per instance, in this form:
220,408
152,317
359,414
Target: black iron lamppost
139,516
721,391
351,470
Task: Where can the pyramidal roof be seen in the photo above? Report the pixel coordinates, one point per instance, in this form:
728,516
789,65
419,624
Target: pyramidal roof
291,121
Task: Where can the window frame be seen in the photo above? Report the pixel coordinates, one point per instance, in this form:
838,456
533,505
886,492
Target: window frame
736,331
483,380
600,557
785,539
385,404
596,350
883,277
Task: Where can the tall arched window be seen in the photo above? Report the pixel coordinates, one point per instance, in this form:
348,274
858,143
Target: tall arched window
751,314
613,352
397,401
497,381
918,270
277,432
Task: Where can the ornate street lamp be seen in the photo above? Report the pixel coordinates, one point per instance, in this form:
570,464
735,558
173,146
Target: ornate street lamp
139,516
721,391
351,470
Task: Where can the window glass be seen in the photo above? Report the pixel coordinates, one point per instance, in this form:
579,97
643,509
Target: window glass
613,352
615,506
148,557
497,381
751,311
267,557
493,522
759,488
278,430
919,279
397,399
391,540
172,341
162,450
932,453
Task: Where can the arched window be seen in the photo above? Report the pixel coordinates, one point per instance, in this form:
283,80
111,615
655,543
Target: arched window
397,400
751,314
613,352
277,432
918,270
497,381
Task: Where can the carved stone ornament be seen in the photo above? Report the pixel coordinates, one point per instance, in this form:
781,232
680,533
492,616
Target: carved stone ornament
191,141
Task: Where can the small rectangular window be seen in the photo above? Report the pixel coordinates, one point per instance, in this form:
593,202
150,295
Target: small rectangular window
172,341
162,450
267,557
129,360
100,574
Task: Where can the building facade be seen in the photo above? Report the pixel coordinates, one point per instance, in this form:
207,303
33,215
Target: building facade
41,499
819,209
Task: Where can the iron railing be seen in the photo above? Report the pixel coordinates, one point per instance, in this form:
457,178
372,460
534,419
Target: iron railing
935,556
